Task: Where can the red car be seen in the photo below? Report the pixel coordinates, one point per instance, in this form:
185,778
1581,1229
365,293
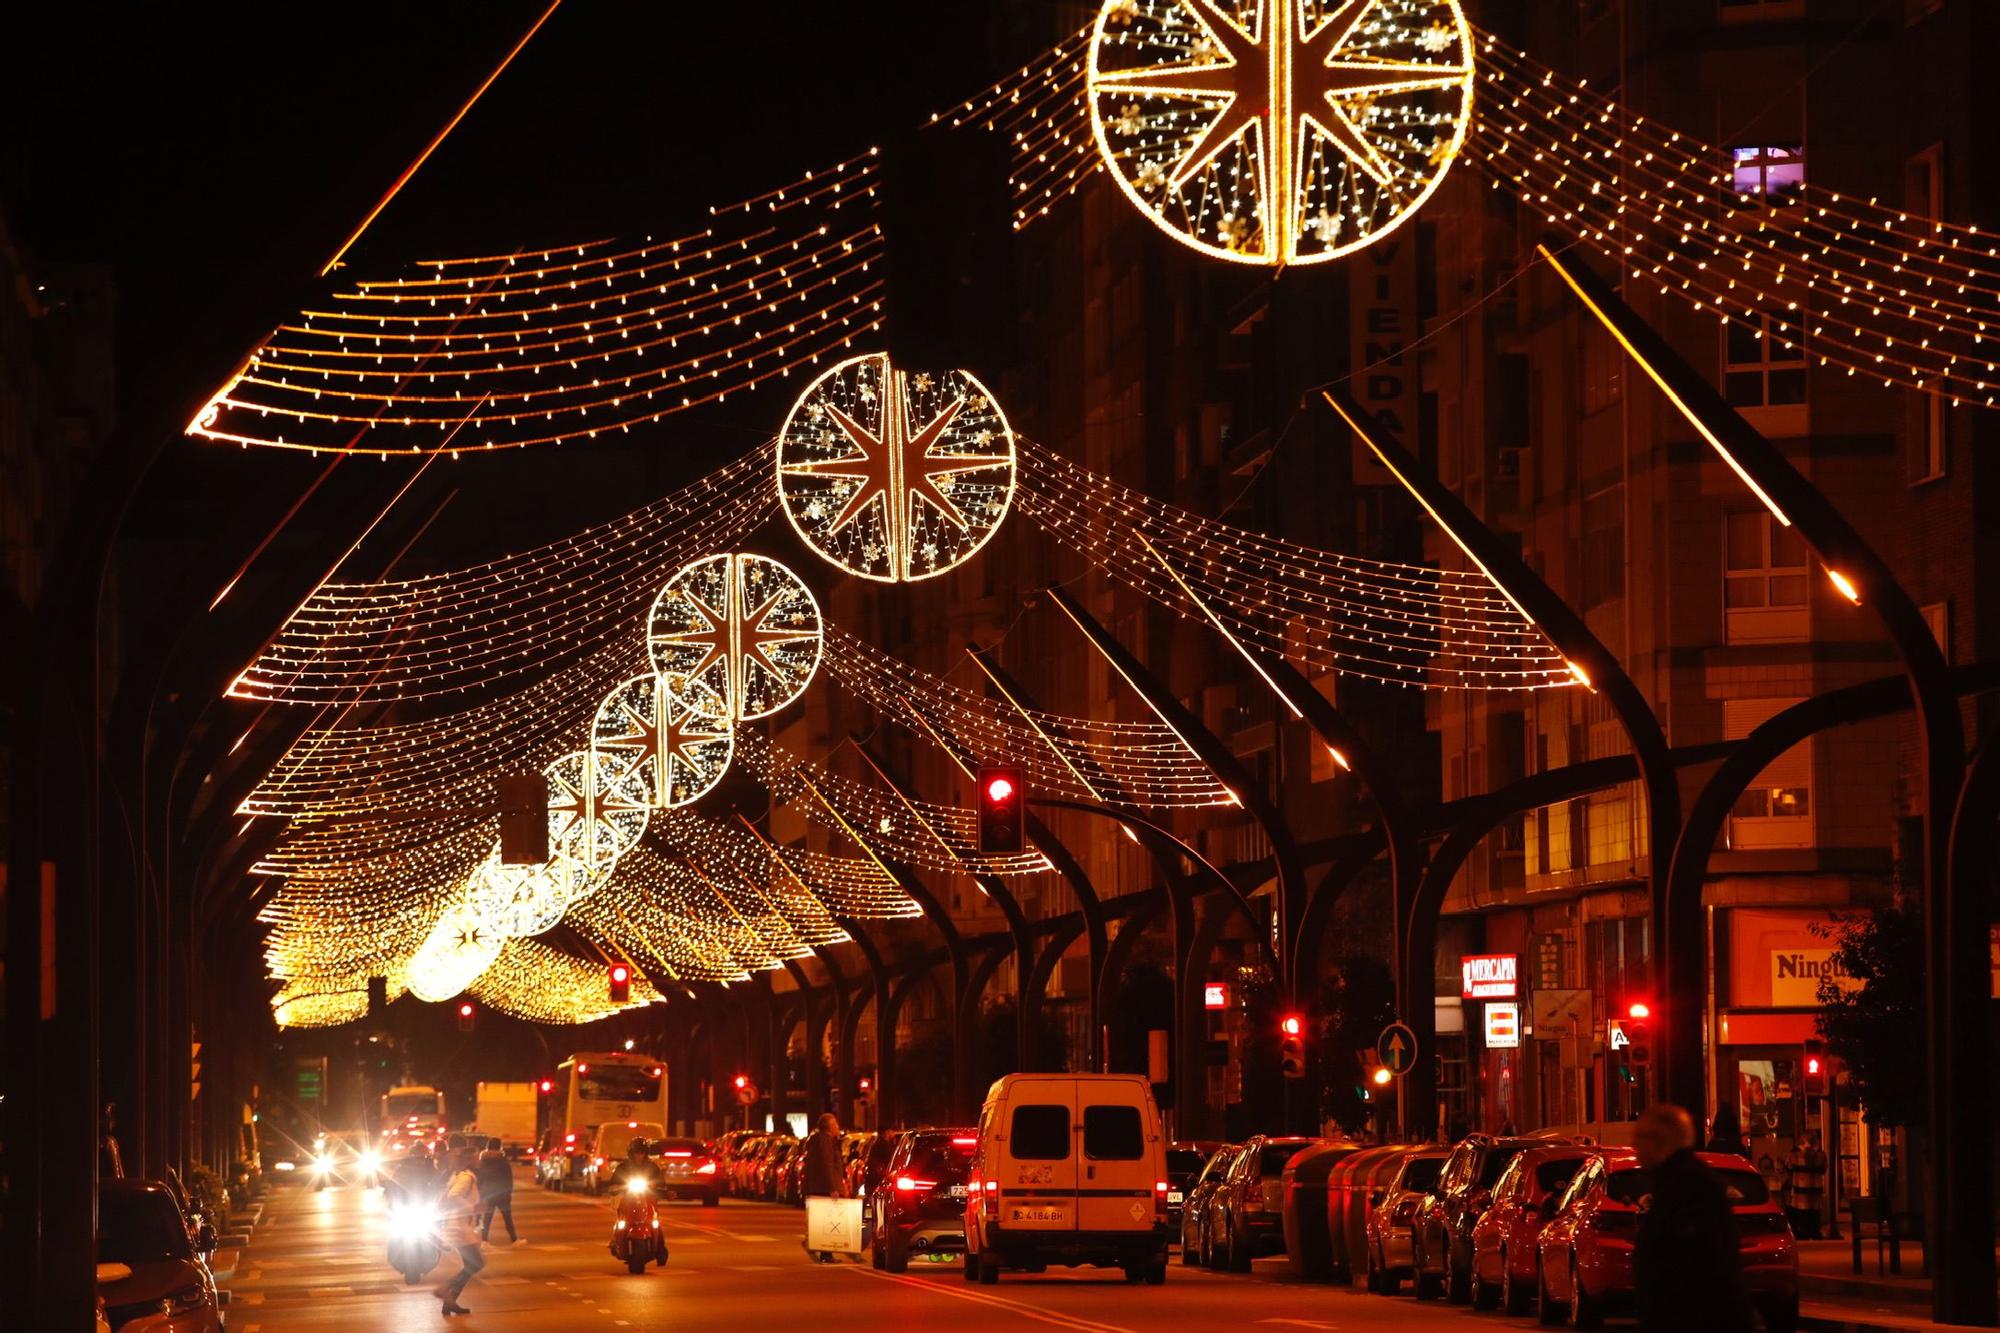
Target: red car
1505,1238
1585,1261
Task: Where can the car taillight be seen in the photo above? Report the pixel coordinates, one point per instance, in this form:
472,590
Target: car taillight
705,1169
910,1185
992,1193
1159,1198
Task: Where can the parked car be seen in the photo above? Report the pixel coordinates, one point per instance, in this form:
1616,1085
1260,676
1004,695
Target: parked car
1194,1209
563,1157
791,1179
141,1227
1244,1214
919,1205
1394,1214
1506,1240
1584,1261
1071,1169
1185,1161
729,1150
1441,1231
772,1161
743,1165
687,1171
868,1168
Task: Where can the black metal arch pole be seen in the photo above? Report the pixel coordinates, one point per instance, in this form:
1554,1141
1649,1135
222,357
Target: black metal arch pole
1208,747
885,1035
1599,670
993,886
1961,1115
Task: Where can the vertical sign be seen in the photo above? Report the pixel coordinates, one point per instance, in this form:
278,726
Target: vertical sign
1382,322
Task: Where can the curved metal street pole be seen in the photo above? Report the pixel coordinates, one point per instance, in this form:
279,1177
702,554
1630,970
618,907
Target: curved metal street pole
1961,1111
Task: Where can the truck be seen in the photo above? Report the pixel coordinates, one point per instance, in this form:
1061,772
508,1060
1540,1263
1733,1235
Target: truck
507,1111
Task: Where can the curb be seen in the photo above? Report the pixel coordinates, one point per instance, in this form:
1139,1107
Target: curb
1831,1319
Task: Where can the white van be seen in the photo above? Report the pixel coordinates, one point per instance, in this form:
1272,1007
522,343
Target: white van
1071,1169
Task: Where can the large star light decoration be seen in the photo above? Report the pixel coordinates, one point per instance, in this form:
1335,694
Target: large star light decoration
1280,131
668,747
739,634
894,476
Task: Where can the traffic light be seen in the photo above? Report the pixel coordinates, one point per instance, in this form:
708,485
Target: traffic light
865,1084
1812,1070
465,1012
1292,1046
546,1086
1003,796
1638,1034
621,983
523,799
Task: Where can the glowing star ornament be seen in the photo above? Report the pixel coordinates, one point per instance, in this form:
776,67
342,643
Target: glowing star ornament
511,901
458,949
669,746
739,634
1280,131
595,816
892,476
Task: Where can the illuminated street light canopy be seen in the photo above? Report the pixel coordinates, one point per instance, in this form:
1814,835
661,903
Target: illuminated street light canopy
743,627
595,815
668,746
893,476
510,901
1280,131
459,947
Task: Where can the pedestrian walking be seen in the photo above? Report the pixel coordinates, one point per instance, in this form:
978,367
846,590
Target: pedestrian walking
456,1221
496,1190
1726,1134
823,1176
1685,1264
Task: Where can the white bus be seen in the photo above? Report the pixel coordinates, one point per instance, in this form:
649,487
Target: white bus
411,1114
596,1089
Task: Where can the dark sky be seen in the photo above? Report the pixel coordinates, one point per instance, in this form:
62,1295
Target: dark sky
215,154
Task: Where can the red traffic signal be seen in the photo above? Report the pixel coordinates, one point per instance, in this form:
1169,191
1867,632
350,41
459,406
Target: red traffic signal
1812,1070
1638,1034
547,1086
742,1081
621,983
1291,1025
1003,795
1639,1009
465,1012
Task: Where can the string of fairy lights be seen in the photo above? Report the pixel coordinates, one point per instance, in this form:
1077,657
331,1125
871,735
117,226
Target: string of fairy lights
388,865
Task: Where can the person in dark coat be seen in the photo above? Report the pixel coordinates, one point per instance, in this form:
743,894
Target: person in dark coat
1726,1134
496,1190
822,1175
1686,1267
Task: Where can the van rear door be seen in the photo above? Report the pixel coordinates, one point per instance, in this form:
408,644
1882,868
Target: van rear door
1037,1159
1119,1153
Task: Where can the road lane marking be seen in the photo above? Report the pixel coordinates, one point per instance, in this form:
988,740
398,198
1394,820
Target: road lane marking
997,1302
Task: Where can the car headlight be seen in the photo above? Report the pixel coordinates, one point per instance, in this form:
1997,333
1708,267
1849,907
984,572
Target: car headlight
186,1299
413,1222
371,1161
637,1185
322,1165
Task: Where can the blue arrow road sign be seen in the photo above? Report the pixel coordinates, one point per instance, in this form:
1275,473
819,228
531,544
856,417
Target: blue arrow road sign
1396,1048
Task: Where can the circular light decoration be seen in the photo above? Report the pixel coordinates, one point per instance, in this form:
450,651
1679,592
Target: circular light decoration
736,633
894,476
459,948
667,746
595,816
511,900
1280,131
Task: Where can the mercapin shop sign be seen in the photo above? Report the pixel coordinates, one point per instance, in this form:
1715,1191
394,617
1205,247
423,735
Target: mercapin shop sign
1490,976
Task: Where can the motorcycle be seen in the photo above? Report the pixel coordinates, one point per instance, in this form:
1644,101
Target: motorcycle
414,1248
635,1236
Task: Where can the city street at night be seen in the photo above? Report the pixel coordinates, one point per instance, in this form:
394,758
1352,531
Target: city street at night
1115,664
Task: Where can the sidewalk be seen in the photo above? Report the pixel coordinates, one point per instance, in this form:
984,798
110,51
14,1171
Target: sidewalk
1836,1299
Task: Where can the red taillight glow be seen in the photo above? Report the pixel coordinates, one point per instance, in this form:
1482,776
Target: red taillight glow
1159,1187
705,1169
677,1152
908,1184
965,1143
583,1069
631,1124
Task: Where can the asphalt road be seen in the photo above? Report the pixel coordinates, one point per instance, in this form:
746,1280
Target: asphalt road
317,1262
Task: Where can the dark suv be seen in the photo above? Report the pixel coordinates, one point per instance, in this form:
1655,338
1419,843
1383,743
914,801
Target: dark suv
918,1206
1441,1231
1246,1211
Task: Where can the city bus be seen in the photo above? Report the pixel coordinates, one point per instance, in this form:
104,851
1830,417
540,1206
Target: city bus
411,1114
595,1089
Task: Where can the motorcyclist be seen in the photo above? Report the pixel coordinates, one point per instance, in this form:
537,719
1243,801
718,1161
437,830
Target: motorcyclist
638,1162
414,1179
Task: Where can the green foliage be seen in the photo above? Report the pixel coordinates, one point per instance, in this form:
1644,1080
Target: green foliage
1355,1001
209,1194
1877,1030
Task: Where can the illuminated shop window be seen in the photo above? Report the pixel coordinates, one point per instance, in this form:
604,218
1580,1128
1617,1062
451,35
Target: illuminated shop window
1773,173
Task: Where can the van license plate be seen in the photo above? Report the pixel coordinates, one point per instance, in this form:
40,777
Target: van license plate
1173,1196
955,1192
1020,1214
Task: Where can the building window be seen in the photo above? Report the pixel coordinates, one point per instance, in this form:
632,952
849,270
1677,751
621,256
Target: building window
1938,617
1764,586
1764,372
1759,11
1775,810
1769,173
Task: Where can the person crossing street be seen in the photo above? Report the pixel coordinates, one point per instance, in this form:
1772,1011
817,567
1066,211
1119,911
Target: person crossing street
456,1222
496,1191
